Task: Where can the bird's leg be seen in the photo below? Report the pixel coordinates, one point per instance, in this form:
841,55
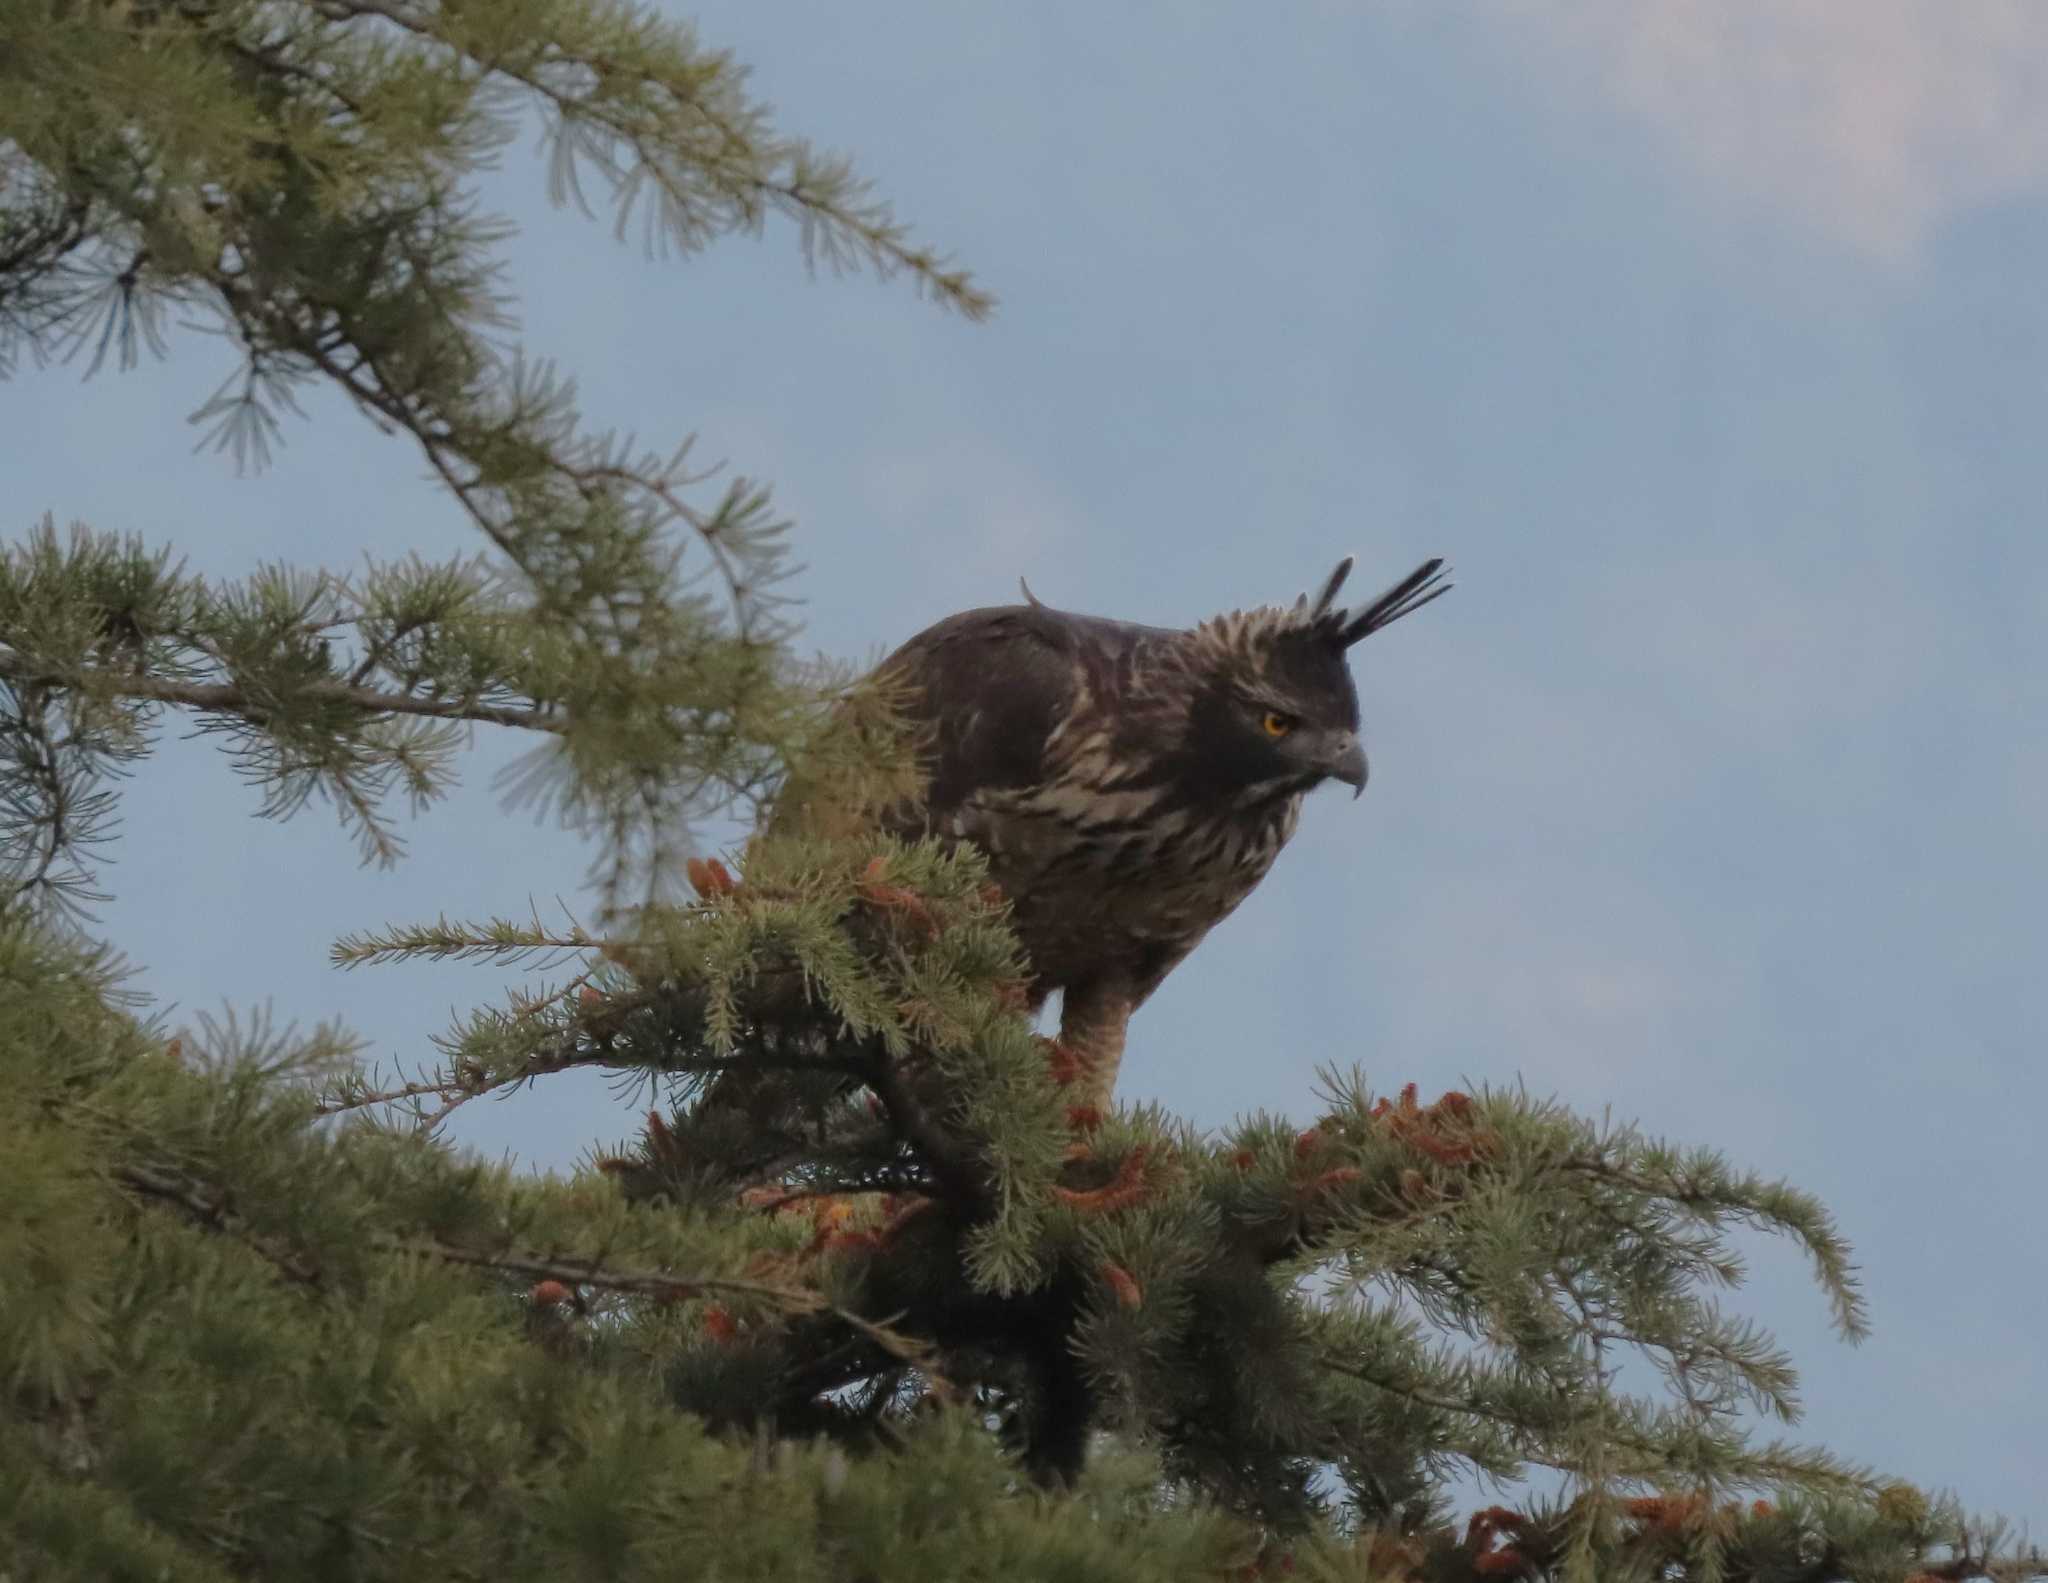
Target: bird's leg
1060,1062
1093,1016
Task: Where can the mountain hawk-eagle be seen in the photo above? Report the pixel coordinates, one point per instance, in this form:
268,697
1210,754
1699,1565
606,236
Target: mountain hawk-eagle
1130,785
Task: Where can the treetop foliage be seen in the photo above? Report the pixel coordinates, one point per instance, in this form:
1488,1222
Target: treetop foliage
866,1295
296,177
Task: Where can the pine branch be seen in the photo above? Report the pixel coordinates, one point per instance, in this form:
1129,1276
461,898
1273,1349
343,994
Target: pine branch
212,1210
230,699
584,1039
740,165
962,1177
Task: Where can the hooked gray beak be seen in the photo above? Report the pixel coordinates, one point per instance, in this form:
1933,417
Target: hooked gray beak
1347,764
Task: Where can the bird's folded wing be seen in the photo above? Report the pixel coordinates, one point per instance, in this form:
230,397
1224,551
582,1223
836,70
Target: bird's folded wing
990,687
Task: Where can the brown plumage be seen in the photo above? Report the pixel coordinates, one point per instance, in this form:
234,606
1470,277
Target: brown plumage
1130,785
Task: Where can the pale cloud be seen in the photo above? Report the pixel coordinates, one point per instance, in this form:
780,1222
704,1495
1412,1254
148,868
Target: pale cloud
1874,120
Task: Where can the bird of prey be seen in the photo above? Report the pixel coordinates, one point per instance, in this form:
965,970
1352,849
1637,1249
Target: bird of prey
1130,785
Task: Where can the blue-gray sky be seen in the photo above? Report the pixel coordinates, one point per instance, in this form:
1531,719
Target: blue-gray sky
1708,340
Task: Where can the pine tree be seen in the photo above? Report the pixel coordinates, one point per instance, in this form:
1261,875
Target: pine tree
868,1298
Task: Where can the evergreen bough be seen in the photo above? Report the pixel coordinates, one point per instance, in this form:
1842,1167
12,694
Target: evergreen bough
866,1298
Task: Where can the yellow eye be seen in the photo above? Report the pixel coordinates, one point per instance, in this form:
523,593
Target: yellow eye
1277,725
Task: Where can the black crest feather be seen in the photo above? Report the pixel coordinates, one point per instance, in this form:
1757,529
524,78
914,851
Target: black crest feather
1406,597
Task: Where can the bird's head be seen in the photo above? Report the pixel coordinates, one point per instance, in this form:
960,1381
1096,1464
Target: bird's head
1275,710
